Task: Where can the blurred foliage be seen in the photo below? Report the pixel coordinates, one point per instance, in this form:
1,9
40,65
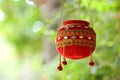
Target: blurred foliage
20,23
107,53
24,27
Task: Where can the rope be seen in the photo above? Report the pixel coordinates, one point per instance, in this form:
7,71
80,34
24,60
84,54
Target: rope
59,59
91,54
61,12
91,19
79,8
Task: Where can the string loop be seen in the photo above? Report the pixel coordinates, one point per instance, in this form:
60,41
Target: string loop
90,14
61,12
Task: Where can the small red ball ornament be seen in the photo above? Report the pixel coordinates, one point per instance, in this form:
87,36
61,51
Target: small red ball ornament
75,40
64,62
91,63
60,68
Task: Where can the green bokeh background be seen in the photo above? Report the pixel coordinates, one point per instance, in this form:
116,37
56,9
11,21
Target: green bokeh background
23,31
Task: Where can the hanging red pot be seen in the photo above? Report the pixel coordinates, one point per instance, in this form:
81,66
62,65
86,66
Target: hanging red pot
75,40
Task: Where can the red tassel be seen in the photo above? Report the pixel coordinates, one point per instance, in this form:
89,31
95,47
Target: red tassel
91,63
64,62
59,68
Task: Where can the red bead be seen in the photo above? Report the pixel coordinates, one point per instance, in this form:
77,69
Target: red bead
91,63
60,68
64,62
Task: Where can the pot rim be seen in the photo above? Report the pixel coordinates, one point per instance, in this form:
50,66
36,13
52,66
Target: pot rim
75,21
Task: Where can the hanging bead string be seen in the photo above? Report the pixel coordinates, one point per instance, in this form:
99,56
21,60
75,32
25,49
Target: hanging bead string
59,59
60,65
91,63
61,19
61,12
64,60
91,19
91,54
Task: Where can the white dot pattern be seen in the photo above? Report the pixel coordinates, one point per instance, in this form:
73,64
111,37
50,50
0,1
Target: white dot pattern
73,37
59,38
89,38
81,37
65,37
86,27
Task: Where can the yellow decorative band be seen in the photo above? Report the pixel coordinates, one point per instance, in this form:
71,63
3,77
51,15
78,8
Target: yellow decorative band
76,33
80,42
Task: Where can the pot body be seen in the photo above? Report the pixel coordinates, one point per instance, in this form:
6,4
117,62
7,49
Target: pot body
75,39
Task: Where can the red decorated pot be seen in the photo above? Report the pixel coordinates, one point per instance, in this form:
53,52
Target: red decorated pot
75,39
